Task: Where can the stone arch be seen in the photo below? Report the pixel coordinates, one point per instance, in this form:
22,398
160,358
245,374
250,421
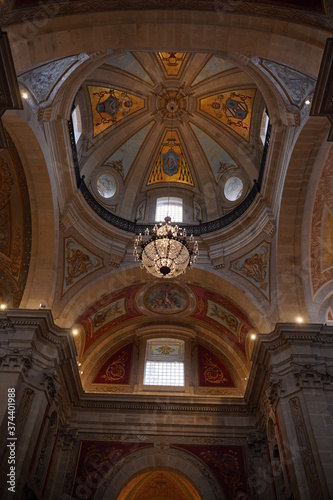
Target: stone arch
238,365
160,482
189,466
290,291
270,39
44,217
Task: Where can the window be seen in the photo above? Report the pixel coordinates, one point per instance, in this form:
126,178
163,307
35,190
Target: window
233,188
264,126
106,185
173,207
77,123
164,365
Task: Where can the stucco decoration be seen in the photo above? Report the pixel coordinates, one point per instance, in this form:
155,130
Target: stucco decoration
109,106
79,262
141,211
212,371
219,160
214,66
322,229
15,227
123,158
41,81
254,266
233,109
296,85
129,63
117,368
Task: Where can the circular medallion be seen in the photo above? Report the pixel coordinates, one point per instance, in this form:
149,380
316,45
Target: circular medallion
171,104
233,188
106,186
166,299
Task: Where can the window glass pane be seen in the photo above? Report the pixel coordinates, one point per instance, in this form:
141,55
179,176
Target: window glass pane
164,373
233,188
106,185
173,207
77,124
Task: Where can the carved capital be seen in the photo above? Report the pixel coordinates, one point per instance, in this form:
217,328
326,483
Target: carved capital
313,375
17,360
67,437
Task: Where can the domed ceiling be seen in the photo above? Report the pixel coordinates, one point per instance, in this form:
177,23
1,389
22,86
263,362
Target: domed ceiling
169,124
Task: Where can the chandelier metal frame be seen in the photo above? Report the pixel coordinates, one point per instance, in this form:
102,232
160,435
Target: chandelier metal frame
167,252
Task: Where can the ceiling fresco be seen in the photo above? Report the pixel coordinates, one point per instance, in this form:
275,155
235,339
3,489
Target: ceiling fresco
129,63
171,164
79,262
116,369
322,229
42,80
172,62
109,106
164,300
296,86
181,115
214,66
123,158
218,159
233,109
15,227
255,267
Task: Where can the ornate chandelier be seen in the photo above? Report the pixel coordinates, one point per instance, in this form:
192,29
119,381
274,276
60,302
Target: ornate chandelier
165,253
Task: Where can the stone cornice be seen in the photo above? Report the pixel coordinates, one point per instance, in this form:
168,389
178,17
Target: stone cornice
277,355
219,8
160,407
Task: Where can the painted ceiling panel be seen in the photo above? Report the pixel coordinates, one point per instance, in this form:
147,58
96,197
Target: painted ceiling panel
214,66
109,106
171,163
128,62
216,156
41,81
296,85
172,61
124,157
233,109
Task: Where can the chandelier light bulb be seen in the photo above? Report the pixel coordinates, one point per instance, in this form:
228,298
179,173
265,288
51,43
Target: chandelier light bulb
165,253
